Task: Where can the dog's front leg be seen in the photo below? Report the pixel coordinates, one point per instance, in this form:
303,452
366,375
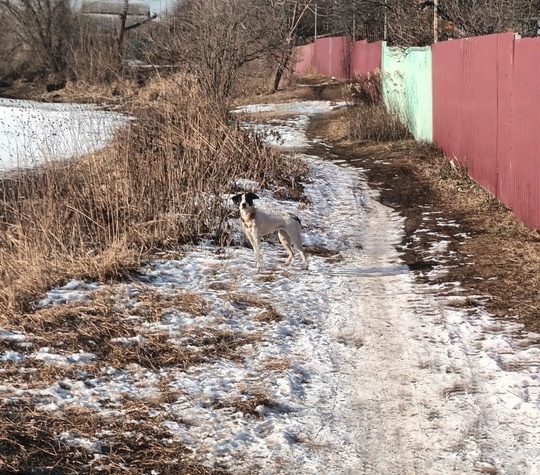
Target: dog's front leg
256,243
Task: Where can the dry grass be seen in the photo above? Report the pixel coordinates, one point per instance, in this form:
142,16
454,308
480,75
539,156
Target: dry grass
251,404
277,364
372,121
111,332
132,440
160,183
268,313
152,303
367,88
368,117
33,441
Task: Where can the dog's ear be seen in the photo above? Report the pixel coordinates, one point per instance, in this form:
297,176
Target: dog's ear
251,196
236,199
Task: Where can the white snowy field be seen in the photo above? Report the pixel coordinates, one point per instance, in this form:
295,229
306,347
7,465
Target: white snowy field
365,372
33,132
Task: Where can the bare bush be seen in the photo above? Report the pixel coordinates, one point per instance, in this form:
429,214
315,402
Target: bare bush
212,40
159,184
372,121
94,59
44,26
367,87
368,117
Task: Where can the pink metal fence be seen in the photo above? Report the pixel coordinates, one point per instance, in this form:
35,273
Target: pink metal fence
486,106
365,57
486,115
519,130
303,60
338,57
331,57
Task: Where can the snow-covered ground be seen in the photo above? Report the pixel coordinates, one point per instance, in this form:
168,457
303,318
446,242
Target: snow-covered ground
32,132
367,371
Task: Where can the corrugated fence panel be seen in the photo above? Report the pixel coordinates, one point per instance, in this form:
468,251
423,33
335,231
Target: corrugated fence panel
505,134
486,114
448,98
304,59
365,57
480,58
520,157
465,104
337,57
407,88
323,52
332,56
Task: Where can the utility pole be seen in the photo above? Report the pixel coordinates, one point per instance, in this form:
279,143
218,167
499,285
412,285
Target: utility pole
435,21
315,20
123,20
385,27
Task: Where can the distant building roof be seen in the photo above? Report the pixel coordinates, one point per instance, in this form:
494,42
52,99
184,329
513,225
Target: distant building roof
114,8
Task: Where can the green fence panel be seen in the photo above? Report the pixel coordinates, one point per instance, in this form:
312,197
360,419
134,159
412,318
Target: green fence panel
407,87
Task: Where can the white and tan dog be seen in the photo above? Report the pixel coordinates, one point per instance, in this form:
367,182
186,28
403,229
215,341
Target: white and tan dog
257,224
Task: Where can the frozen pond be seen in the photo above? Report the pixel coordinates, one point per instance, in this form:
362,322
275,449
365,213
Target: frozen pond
33,132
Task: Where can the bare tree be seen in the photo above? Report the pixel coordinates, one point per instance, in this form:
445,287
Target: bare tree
482,17
287,18
212,39
44,26
412,23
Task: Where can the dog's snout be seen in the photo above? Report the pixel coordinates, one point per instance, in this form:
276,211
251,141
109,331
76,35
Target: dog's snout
244,205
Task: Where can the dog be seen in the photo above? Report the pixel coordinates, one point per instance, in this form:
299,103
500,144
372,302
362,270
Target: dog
257,224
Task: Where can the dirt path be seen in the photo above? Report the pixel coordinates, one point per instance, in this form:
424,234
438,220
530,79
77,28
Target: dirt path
439,385
489,252
402,400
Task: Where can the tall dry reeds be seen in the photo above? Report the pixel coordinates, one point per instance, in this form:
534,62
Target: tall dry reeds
161,182
369,119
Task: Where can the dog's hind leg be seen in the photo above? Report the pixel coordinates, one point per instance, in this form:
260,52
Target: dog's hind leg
296,239
300,248
286,241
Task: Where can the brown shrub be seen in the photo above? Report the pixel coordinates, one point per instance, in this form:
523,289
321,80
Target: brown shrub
160,183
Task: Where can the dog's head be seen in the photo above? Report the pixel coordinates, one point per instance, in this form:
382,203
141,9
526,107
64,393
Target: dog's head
244,200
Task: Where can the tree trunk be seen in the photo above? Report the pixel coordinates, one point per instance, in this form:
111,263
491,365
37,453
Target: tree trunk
282,66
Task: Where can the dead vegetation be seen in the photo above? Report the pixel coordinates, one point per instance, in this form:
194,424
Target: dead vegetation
112,231
161,183
368,116
268,313
253,403
35,441
38,435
